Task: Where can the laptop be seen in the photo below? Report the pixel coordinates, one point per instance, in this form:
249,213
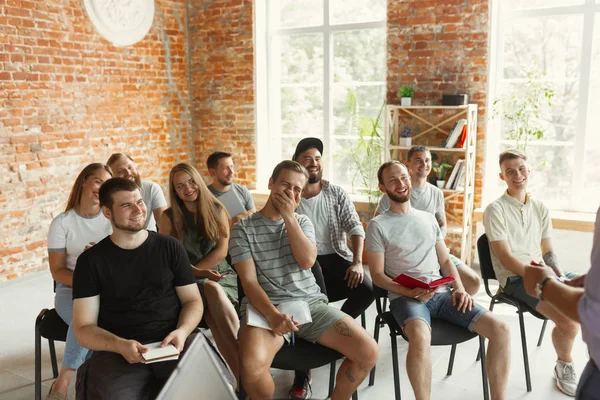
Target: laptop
200,374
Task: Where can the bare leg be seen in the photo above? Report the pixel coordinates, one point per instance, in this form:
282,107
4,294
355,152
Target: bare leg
61,384
257,349
563,334
498,353
469,278
223,321
418,359
361,352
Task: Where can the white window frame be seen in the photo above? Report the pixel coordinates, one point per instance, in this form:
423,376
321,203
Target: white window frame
499,15
267,74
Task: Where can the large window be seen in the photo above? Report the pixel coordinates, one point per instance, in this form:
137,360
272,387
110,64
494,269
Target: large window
310,55
562,38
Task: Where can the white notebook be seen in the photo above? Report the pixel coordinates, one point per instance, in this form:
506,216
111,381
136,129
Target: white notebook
298,309
156,353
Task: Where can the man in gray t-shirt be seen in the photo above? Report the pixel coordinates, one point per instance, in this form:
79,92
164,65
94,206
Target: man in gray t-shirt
427,197
236,198
273,251
409,241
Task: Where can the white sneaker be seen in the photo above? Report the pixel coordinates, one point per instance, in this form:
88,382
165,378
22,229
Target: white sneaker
566,377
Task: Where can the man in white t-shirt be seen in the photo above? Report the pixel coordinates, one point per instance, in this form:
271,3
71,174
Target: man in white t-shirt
123,167
403,240
427,197
236,198
519,228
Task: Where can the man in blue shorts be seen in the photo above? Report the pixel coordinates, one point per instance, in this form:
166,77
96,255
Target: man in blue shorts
403,240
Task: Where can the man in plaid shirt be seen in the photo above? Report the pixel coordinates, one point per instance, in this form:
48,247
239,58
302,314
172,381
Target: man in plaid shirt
335,219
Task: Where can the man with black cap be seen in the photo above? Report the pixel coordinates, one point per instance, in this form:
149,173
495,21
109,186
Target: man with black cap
335,219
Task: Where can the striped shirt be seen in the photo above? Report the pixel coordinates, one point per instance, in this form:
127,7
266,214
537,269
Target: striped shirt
266,242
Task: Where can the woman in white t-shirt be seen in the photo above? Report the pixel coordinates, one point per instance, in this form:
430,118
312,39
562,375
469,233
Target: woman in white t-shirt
71,232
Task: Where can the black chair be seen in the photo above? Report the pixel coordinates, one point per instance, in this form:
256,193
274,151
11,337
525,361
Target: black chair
443,333
50,326
303,355
487,272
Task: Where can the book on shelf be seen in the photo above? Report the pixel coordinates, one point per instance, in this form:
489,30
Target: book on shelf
463,137
297,309
455,133
455,171
460,180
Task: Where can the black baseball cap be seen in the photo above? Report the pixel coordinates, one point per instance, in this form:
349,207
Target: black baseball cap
308,143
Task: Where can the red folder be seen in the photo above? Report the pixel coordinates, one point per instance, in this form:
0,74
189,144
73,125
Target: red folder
463,137
411,283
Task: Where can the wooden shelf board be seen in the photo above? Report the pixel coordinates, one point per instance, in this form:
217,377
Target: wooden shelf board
453,149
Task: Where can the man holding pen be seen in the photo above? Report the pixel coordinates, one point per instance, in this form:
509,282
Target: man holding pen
273,251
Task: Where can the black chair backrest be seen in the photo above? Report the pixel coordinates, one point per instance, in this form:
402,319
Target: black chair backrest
485,262
316,270
380,294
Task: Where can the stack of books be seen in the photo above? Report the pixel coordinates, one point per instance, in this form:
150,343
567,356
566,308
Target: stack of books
458,135
456,181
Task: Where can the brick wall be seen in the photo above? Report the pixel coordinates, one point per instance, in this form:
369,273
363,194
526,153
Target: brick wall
222,75
68,98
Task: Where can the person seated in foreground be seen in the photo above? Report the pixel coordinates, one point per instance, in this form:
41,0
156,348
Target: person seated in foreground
199,221
236,198
273,251
335,220
132,288
519,229
403,240
427,197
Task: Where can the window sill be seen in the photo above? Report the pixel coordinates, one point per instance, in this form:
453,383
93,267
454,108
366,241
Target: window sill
569,221
361,202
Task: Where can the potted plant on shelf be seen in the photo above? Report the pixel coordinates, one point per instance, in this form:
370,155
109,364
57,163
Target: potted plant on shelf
406,94
405,134
440,169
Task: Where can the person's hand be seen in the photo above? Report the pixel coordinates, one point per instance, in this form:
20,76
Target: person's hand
354,275
421,294
462,300
131,350
176,338
282,323
534,274
210,274
578,281
285,203
89,245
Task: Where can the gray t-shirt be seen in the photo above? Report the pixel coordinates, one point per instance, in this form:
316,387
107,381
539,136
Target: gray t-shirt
429,198
279,275
236,200
408,242
315,208
154,198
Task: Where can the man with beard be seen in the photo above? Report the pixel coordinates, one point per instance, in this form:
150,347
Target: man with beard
519,229
403,240
273,251
123,167
335,219
427,197
236,198
132,288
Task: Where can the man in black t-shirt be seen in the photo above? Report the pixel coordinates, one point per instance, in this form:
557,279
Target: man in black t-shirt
134,287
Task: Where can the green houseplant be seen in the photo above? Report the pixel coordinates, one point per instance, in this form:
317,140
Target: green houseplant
440,168
523,113
406,94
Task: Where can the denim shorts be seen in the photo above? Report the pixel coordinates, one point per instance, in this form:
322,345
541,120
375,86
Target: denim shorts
405,309
514,287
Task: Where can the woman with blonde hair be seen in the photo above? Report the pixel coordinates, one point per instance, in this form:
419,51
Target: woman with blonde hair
80,226
199,221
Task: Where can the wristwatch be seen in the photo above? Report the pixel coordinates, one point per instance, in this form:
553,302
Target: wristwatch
540,286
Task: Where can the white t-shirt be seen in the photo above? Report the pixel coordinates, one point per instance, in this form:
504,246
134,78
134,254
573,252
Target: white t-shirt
154,198
408,243
522,225
71,232
315,209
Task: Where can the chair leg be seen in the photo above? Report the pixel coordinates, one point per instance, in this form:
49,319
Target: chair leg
38,363
542,333
331,379
376,337
395,365
355,395
451,362
484,378
363,320
525,356
53,358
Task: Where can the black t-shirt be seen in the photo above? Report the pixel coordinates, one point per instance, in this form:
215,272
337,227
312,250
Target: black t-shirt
136,287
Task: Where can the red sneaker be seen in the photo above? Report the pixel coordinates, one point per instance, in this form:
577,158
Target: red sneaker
301,388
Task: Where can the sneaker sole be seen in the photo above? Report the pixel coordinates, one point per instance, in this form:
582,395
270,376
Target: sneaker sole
559,387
